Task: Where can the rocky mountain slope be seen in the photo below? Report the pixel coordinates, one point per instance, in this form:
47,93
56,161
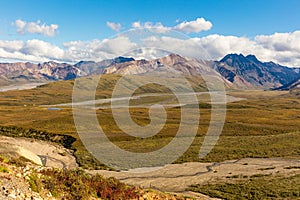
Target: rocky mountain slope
11,73
248,70
291,86
238,70
91,67
173,64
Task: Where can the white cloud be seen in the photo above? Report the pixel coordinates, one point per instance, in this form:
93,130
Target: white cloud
196,26
74,51
97,50
42,49
36,27
31,50
218,45
281,47
114,26
11,46
280,41
136,25
20,25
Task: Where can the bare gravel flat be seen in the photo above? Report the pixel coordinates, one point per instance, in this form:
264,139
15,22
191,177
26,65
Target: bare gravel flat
177,177
40,152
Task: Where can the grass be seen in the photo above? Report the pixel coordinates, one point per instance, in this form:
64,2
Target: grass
19,162
35,183
16,161
236,147
258,187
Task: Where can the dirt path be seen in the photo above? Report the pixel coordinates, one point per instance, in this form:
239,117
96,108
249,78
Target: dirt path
39,152
122,101
177,177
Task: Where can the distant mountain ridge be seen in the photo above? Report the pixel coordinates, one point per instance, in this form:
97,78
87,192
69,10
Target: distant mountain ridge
18,73
238,70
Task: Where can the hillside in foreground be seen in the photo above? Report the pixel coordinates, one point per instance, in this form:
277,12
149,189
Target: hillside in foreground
20,179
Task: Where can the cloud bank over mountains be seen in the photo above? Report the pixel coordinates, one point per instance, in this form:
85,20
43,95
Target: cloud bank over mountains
282,48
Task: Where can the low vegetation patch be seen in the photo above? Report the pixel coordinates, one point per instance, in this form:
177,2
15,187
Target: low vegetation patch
76,184
266,168
3,159
13,131
258,187
292,167
240,176
3,169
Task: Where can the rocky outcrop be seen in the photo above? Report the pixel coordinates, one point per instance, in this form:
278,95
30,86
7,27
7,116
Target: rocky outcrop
15,183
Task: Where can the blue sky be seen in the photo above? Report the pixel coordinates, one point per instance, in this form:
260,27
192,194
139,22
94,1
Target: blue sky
86,20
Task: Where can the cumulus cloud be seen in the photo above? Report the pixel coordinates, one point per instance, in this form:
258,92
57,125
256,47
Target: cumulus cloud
97,50
31,50
281,47
20,26
42,49
11,46
280,41
114,26
73,51
196,26
36,27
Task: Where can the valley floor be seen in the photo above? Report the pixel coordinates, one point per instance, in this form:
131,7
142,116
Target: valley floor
260,141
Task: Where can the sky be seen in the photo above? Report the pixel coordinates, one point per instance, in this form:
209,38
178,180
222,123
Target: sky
74,30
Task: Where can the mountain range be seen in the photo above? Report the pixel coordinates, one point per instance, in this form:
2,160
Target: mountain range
238,71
